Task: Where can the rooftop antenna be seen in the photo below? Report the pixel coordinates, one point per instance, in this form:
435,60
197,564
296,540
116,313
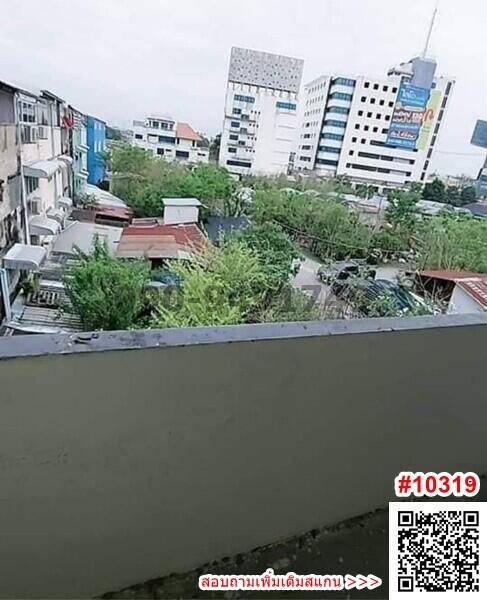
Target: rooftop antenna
428,37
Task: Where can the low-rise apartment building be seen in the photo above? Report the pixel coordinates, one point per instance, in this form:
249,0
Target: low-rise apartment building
346,122
170,139
261,108
96,141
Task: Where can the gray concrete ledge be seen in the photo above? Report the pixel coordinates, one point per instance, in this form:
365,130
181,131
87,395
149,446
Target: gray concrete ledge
47,344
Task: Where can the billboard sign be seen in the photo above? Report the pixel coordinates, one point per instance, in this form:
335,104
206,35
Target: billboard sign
479,137
407,117
428,119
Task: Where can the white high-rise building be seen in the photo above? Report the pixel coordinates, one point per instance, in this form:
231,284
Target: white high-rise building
260,112
346,120
169,139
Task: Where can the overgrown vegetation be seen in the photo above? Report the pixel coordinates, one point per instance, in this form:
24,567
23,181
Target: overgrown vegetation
105,292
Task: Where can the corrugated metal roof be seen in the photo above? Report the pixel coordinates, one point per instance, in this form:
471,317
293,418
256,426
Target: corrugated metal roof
449,275
159,241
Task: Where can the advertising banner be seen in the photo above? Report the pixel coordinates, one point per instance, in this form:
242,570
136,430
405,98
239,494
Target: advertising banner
428,118
407,117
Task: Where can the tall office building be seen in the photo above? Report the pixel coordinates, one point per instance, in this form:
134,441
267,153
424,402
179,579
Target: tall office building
359,126
260,112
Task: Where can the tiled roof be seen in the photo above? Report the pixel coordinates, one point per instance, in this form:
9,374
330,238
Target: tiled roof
186,132
155,240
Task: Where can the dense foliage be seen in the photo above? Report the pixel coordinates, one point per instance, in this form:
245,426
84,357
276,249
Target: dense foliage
436,191
106,292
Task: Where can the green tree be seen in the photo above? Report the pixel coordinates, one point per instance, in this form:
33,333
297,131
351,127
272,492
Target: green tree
401,211
223,286
215,147
105,292
435,191
453,195
468,195
365,191
275,250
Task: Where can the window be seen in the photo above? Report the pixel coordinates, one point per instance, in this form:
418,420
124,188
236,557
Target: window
306,136
437,128
363,140
445,100
357,125
366,127
306,147
139,136
233,136
239,163
369,115
286,105
160,151
394,90
182,154
334,123
360,113
351,153
375,130
166,139
234,124
243,130
391,104
385,131
367,84
387,117
241,143
154,124
326,161
28,112
236,111
341,96
381,102
363,99
245,117
372,100
240,98
354,139
31,184
232,150
430,152
344,81
385,88
329,149
338,109
378,116
376,86
332,136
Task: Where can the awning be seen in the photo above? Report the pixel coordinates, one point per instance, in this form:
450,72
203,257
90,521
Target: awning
24,257
41,225
57,214
42,169
85,172
65,202
81,176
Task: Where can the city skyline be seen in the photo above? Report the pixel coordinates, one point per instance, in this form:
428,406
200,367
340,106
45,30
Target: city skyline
122,61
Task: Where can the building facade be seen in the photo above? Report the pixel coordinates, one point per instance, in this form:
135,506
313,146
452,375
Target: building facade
169,139
96,142
79,152
261,107
345,126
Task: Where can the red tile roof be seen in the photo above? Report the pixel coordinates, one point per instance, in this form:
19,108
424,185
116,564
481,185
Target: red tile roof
186,132
476,288
155,240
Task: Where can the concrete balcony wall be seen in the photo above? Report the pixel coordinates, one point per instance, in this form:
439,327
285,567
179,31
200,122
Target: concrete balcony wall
8,164
136,454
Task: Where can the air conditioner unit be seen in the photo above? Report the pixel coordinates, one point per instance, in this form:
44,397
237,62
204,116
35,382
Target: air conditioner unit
42,133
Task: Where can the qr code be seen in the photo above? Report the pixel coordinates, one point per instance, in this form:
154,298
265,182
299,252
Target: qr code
435,547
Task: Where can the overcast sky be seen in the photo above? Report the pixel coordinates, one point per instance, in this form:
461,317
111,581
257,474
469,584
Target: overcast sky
123,59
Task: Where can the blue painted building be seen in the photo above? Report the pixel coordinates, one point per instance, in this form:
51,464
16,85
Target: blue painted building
96,136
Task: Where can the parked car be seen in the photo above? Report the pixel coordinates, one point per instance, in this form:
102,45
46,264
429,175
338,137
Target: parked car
341,271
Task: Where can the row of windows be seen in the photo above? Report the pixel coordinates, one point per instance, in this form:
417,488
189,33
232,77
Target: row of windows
240,98
385,88
161,125
306,147
341,96
370,115
344,81
286,105
382,144
338,109
378,169
381,102
332,136
407,161
239,163
363,140
329,149
305,158
334,123
325,161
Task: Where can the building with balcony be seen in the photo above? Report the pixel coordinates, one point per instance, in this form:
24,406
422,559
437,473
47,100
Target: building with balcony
170,140
261,107
345,126
96,141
